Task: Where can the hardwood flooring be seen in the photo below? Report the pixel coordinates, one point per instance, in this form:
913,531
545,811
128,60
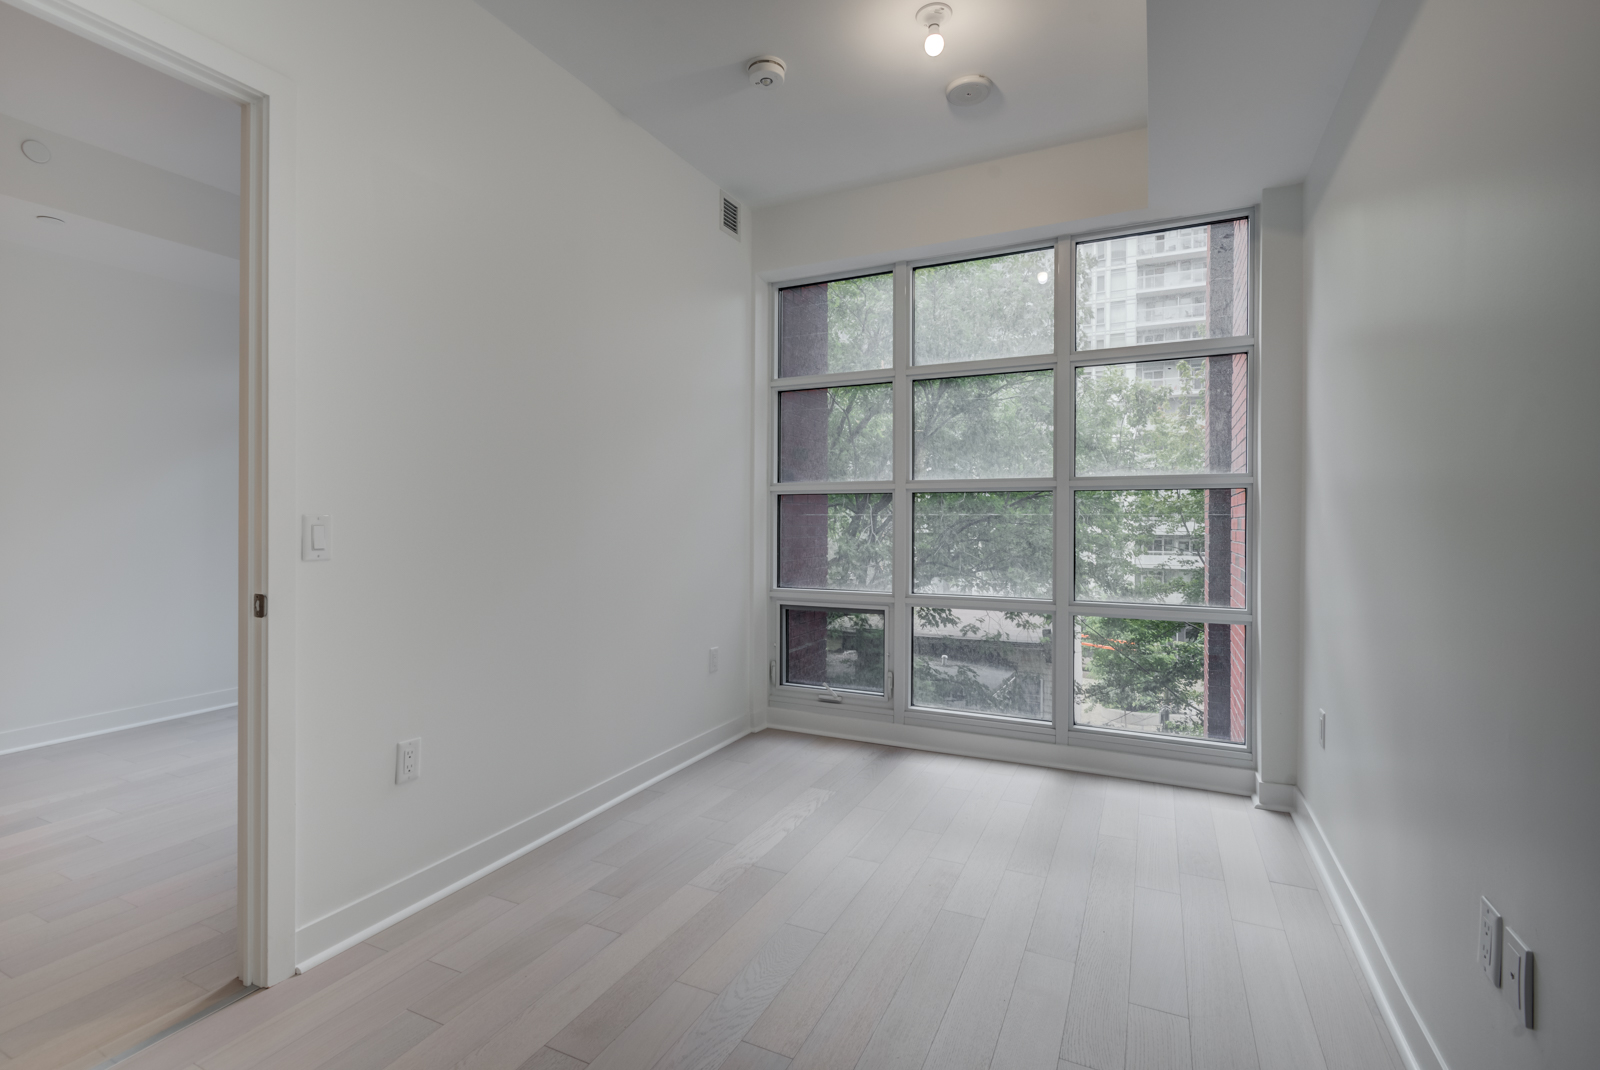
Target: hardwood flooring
117,888
796,902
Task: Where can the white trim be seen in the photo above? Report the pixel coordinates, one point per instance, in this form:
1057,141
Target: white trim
267,447
341,929
1411,1035
1177,771
1271,796
98,724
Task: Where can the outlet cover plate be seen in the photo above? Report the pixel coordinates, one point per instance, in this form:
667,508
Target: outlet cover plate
407,760
1489,935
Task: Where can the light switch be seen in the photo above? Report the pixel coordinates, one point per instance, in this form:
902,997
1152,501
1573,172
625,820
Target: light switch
316,538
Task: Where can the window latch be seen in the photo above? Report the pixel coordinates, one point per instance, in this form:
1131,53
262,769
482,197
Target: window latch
261,605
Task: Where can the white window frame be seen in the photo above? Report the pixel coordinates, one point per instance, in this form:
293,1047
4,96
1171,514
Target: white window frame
895,705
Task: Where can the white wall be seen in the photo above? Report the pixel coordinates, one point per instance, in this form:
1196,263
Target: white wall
522,372
1452,511
1014,199
118,484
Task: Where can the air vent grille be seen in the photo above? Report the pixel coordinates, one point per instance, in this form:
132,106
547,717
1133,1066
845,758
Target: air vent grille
730,216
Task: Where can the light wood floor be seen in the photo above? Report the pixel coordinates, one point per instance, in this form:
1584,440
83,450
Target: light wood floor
117,888
794,902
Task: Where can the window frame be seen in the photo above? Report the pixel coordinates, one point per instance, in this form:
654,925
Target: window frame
897,604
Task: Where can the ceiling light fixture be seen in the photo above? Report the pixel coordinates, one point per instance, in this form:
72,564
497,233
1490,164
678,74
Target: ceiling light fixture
933,16
765,71
51,220
37,151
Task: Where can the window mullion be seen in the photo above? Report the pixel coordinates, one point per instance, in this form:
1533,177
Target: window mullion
1066,437
899,622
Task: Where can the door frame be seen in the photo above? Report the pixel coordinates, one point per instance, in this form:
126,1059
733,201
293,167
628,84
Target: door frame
268,533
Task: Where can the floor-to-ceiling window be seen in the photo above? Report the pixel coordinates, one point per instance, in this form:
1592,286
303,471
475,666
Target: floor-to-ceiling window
1012,493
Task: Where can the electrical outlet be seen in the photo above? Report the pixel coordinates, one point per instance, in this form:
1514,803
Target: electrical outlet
1518,972
711,660
407,760
1489,933
1322,727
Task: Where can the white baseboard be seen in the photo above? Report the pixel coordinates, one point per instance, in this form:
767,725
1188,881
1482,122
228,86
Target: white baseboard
320,940
98,724
1271,796
1411,1036
1230,779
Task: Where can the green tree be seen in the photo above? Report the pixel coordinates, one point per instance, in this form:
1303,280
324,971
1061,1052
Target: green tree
1144,666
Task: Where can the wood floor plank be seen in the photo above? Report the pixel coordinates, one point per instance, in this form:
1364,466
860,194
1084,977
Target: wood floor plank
383,1045
1121,815
652,1034
1220,1030
749,1057
711,1039
971,1025
819,912
1249,892
1097,1022
534,1028
723,960
841,1034
1281,851
1350,1035
790,1018
1157,1040
905,1032
1036,844
357,1021
747,851
1286,1038
1030,1038
1059,923
1157,976
1157,860
600,1023
986,866
1197,835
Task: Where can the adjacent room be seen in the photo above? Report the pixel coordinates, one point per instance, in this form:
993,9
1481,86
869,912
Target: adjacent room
119,579
561,534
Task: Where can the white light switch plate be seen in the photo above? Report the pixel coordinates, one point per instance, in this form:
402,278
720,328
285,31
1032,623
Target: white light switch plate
1516,963
316,538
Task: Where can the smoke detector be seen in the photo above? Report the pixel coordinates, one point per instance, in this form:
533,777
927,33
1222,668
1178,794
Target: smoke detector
766,71
968,89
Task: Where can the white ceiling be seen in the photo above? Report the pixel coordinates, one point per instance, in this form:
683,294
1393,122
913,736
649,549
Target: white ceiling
1237,92
861,103
62,82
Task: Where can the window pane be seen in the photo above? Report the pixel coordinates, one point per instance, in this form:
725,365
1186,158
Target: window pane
1178,546
1166,286
841,542
846,432
985,426
1163,416
983,543
1159,676
983,661
839,648
1003,306
843,326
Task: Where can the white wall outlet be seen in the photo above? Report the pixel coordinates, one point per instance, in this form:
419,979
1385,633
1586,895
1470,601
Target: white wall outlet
711,660
1489,926
407,760
316,538
1322,727
1517,969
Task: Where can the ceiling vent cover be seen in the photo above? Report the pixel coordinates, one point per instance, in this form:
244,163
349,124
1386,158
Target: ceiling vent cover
730,217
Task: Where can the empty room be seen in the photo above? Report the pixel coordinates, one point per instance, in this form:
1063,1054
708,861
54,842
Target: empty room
791,536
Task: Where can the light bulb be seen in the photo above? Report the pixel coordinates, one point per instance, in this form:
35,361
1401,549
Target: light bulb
935,42
1044,277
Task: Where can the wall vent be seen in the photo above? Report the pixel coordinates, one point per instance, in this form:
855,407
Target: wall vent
730,217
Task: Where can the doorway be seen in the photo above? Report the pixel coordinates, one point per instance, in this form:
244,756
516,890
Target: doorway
131,450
